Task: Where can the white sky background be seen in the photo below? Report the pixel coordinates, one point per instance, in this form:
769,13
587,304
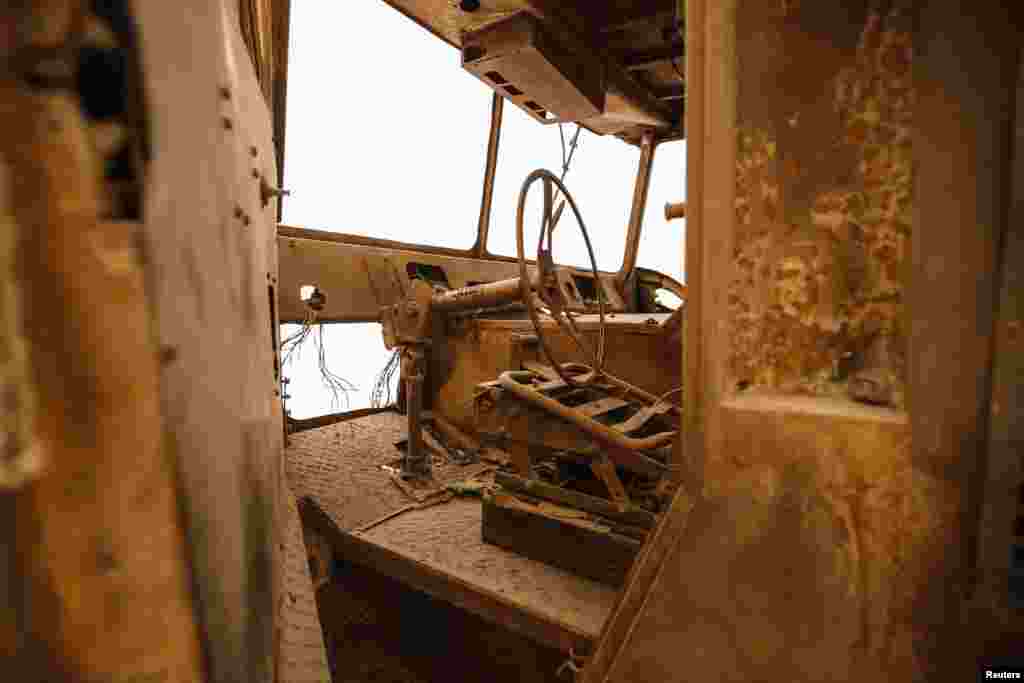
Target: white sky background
387,137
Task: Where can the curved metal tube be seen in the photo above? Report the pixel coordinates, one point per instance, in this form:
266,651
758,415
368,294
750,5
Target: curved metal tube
623,448
480,296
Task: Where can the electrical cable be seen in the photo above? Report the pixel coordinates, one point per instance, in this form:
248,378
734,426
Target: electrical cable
380,395
290,347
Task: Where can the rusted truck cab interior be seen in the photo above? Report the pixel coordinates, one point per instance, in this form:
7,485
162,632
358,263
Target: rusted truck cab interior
531,445
798,457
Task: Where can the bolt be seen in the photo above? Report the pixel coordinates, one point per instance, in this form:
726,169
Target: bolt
168,354
238,211
268,191
253,151
227,122
246,220
256,173
225,92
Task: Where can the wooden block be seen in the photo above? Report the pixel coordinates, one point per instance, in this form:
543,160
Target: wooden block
573,545
536,488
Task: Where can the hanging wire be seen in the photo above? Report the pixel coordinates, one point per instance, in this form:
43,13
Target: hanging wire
566,160
338,386
380,395
292,343
291,347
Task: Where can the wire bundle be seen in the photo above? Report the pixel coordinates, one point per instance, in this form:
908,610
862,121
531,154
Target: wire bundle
380,395
338,386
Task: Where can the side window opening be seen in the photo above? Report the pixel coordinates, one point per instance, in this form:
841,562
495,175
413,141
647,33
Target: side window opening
336,368
661,241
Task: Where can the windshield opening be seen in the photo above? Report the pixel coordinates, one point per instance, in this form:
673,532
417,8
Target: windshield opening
600,178
386,135
662,241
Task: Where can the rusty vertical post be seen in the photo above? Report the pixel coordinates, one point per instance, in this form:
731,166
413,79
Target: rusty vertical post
493,141
636,214
416,461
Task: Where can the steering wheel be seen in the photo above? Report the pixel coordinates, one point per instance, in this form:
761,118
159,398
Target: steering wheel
549,292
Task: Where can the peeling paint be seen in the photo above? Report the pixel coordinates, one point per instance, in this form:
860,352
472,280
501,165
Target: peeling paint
824,196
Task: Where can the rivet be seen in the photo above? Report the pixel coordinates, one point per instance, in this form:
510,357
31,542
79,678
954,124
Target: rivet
238,212
168,354
225,92
228,123
253,151
246,220
256,173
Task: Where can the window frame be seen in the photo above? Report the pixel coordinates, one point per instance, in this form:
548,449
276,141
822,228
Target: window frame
478,250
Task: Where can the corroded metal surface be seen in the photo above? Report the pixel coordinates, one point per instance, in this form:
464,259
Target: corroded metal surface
93,552
824,191
833,539
479,351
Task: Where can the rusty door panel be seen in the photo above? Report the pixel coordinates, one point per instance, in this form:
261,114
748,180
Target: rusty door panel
829,539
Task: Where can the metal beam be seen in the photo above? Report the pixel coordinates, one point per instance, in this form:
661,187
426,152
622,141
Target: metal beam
643,59
493,141
636,215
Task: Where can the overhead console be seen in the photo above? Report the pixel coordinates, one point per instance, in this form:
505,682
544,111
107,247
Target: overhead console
517,59
609,69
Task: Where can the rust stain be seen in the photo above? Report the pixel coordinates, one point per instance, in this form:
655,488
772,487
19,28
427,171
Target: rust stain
860,498
823,208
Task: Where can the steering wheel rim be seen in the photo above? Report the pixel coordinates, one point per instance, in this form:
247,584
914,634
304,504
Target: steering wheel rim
560,317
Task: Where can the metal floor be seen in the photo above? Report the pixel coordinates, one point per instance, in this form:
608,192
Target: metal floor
436,549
